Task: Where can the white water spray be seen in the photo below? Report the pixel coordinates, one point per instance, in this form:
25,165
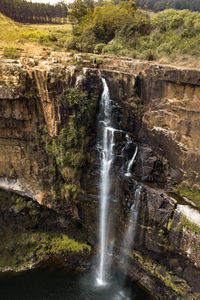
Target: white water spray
107,156
132,224
128,172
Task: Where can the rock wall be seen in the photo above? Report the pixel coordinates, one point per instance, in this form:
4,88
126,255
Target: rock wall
47,133
34,109
160,111
170,112
48,153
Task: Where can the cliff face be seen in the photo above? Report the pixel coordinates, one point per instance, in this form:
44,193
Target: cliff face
171,118
170,121
48,153
47,133
161,113
36,103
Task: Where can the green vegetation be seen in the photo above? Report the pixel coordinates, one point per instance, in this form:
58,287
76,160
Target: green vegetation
28,12
11,52
15,37
114,29
190,225
123,29
157,5
158,270
31,233
189,192
70,147
22,249
102,24
55,36
38,36
71,192
169,225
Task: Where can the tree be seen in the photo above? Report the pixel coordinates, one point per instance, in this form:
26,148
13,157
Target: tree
78,10
23,11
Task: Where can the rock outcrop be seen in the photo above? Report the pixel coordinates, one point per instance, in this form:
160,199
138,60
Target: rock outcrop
159,109
47,152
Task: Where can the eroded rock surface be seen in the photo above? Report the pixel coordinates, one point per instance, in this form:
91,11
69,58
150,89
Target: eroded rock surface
48,152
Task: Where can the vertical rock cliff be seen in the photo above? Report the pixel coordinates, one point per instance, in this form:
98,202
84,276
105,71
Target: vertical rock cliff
159,109
47,152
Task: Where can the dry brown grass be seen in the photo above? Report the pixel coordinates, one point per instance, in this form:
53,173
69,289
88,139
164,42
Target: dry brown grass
181,61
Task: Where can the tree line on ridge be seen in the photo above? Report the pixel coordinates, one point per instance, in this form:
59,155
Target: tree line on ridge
28,12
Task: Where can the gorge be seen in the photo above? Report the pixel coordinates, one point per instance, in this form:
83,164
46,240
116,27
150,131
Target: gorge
50,169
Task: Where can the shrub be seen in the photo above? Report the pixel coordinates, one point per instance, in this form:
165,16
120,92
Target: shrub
114,46
38,36
11,52
148,55
99,47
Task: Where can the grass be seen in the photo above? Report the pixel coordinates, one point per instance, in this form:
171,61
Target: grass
30,39
190,193
190,225
20,250
23,37
29,235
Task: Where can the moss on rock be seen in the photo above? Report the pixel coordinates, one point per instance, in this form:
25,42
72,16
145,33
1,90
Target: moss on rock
158,270
31,248
70,148
31,233
190,192
188,224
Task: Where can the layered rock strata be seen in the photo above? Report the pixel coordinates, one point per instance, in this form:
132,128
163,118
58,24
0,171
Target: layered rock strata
47,152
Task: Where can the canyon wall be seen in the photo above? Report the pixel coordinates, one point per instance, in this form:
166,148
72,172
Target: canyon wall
48,152
160,111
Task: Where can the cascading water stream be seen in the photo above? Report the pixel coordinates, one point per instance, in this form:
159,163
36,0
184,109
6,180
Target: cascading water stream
107,157
131,230
128,172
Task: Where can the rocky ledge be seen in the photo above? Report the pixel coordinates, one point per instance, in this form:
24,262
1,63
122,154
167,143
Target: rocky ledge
47,152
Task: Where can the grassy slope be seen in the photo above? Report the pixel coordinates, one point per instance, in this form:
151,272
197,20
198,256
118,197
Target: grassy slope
23,36
170,47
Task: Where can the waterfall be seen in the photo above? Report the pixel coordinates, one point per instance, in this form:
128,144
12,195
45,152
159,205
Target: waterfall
129,236
107,157
128,172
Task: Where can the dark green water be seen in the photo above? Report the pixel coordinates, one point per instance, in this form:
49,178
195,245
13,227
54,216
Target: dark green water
57,283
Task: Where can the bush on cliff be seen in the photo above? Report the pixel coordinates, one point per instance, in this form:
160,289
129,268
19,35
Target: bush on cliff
173,32
101,24
122,29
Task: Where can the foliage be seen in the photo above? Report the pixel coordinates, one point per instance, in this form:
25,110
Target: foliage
38,36
71,192
158,5
169,225
99,47
101,24
78,10
158,270
11,52
29,247
173,33
28,12
190,225
189,192
31,233
20,36
122,29
69,148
